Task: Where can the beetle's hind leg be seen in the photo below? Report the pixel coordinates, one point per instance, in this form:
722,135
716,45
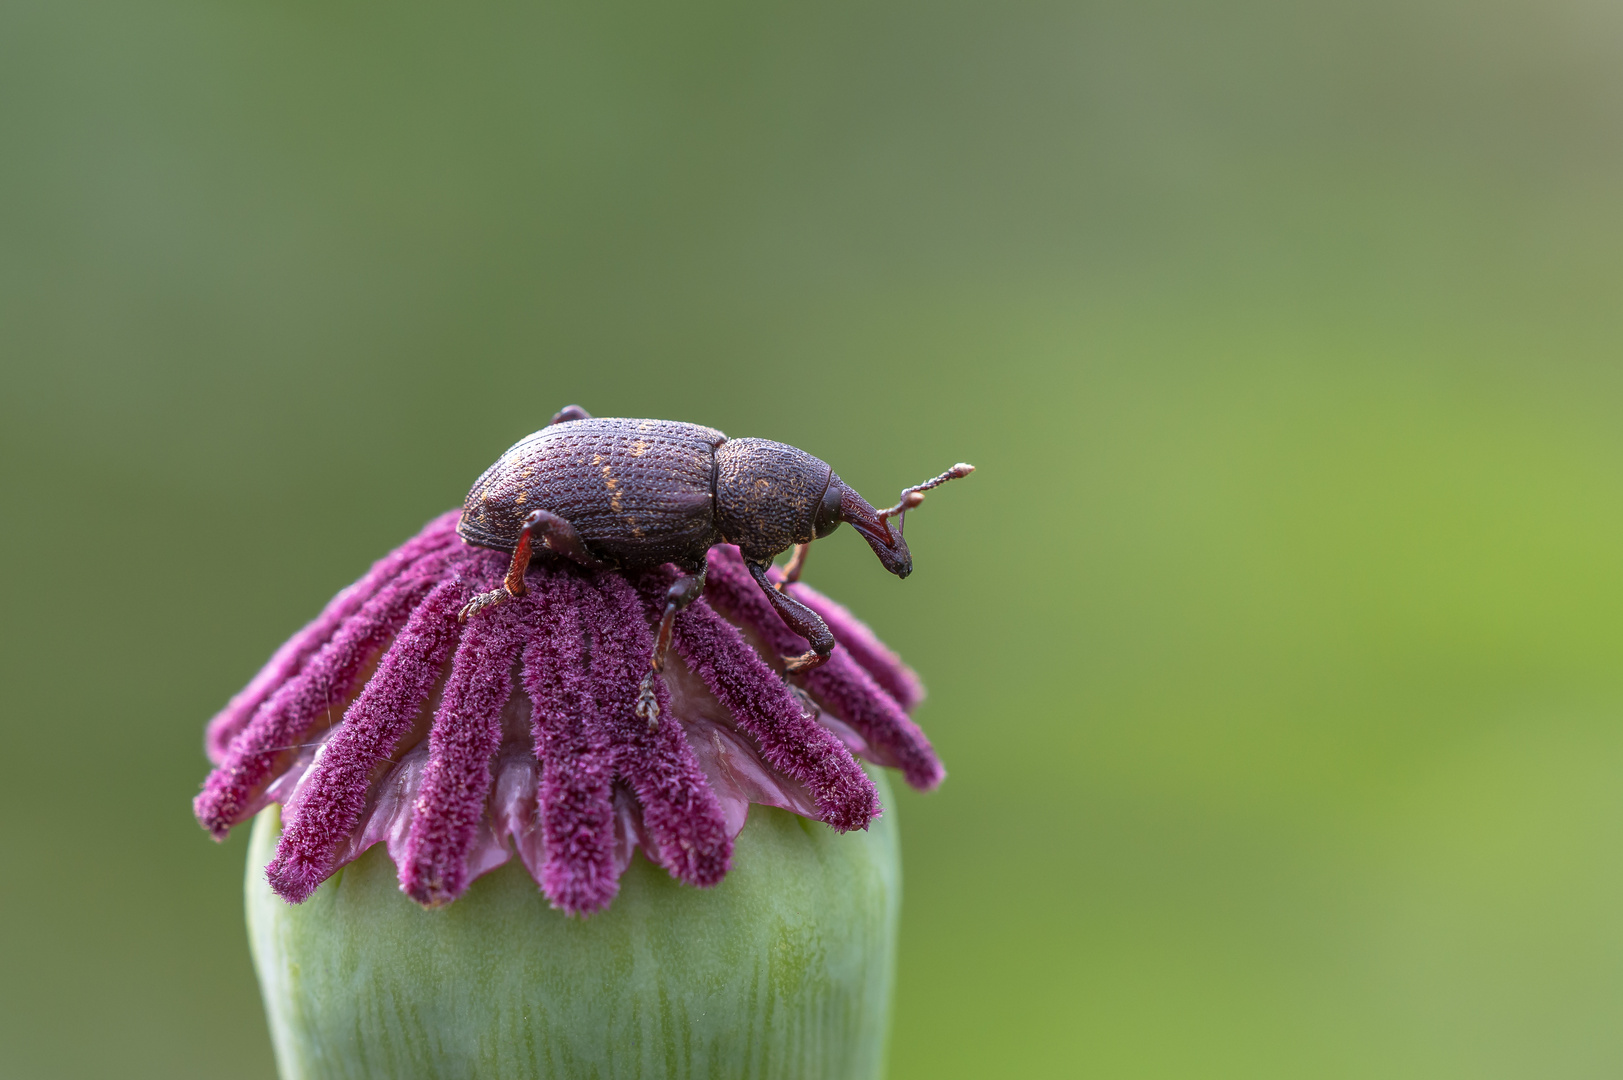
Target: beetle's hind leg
512,585
560,538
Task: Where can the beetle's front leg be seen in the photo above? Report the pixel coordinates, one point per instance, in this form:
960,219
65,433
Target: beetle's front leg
799,618
512,585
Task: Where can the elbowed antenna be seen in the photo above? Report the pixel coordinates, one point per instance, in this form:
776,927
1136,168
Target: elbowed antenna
912,496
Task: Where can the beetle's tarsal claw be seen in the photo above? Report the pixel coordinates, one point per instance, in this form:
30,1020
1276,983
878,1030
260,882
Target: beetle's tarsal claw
480,603
794,665
647,703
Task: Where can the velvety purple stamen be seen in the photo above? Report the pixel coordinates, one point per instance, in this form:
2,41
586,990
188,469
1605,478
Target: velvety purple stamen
466,734
576,797
336,795
863,646
566,775
287,718
791,740
288,660
679,811
854,696
839,684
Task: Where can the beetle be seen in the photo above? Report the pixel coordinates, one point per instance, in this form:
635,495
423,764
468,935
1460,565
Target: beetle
617,494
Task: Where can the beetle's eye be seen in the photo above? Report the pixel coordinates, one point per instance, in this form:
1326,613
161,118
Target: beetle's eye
828,512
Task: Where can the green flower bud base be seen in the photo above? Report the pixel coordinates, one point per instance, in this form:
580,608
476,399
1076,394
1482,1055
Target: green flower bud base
783,970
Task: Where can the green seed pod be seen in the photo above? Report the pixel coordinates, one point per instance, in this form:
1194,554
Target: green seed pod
785,969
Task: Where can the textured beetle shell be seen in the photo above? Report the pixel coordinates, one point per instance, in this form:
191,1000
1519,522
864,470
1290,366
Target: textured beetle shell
639,492
767,495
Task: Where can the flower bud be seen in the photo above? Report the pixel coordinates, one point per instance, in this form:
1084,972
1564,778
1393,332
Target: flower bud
783,969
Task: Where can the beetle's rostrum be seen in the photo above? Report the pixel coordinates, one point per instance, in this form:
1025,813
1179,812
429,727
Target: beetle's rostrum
610,493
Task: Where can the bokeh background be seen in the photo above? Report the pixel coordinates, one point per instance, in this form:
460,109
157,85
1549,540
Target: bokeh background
1274,649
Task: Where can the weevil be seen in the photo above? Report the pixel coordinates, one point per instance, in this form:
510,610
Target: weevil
616,494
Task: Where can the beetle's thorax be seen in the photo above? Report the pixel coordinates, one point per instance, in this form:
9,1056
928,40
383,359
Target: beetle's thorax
767,494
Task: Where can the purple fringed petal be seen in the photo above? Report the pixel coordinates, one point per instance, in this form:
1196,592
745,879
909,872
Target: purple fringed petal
579,873
679,811
335,795
288,660
852,695
271,740
466,733
564,773
839,683
861,644
791,741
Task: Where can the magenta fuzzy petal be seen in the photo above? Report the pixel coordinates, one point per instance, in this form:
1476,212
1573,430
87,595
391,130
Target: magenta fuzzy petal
852,694
383,713
791,741
681,814
286,719
839,683
438,759
579,874
863,646
288,660
466,733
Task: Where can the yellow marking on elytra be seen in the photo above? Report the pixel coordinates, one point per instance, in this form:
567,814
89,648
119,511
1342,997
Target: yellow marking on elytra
484,496
639,448
525,474
519,499
614,488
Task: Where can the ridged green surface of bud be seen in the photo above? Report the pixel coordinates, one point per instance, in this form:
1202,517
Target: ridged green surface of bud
784,970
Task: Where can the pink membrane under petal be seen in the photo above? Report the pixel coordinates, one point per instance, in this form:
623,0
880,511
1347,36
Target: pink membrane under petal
738,775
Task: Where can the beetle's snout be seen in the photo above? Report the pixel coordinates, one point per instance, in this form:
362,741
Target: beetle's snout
886,541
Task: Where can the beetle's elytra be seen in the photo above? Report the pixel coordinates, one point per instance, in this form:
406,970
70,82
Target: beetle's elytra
622,494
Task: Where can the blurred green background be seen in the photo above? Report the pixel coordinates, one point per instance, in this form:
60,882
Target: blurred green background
1274,649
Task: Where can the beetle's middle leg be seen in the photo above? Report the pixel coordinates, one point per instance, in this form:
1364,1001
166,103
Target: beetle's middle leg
799,618
683,591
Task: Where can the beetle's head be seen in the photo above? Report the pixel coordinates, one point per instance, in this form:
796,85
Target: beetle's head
841,503
883,528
